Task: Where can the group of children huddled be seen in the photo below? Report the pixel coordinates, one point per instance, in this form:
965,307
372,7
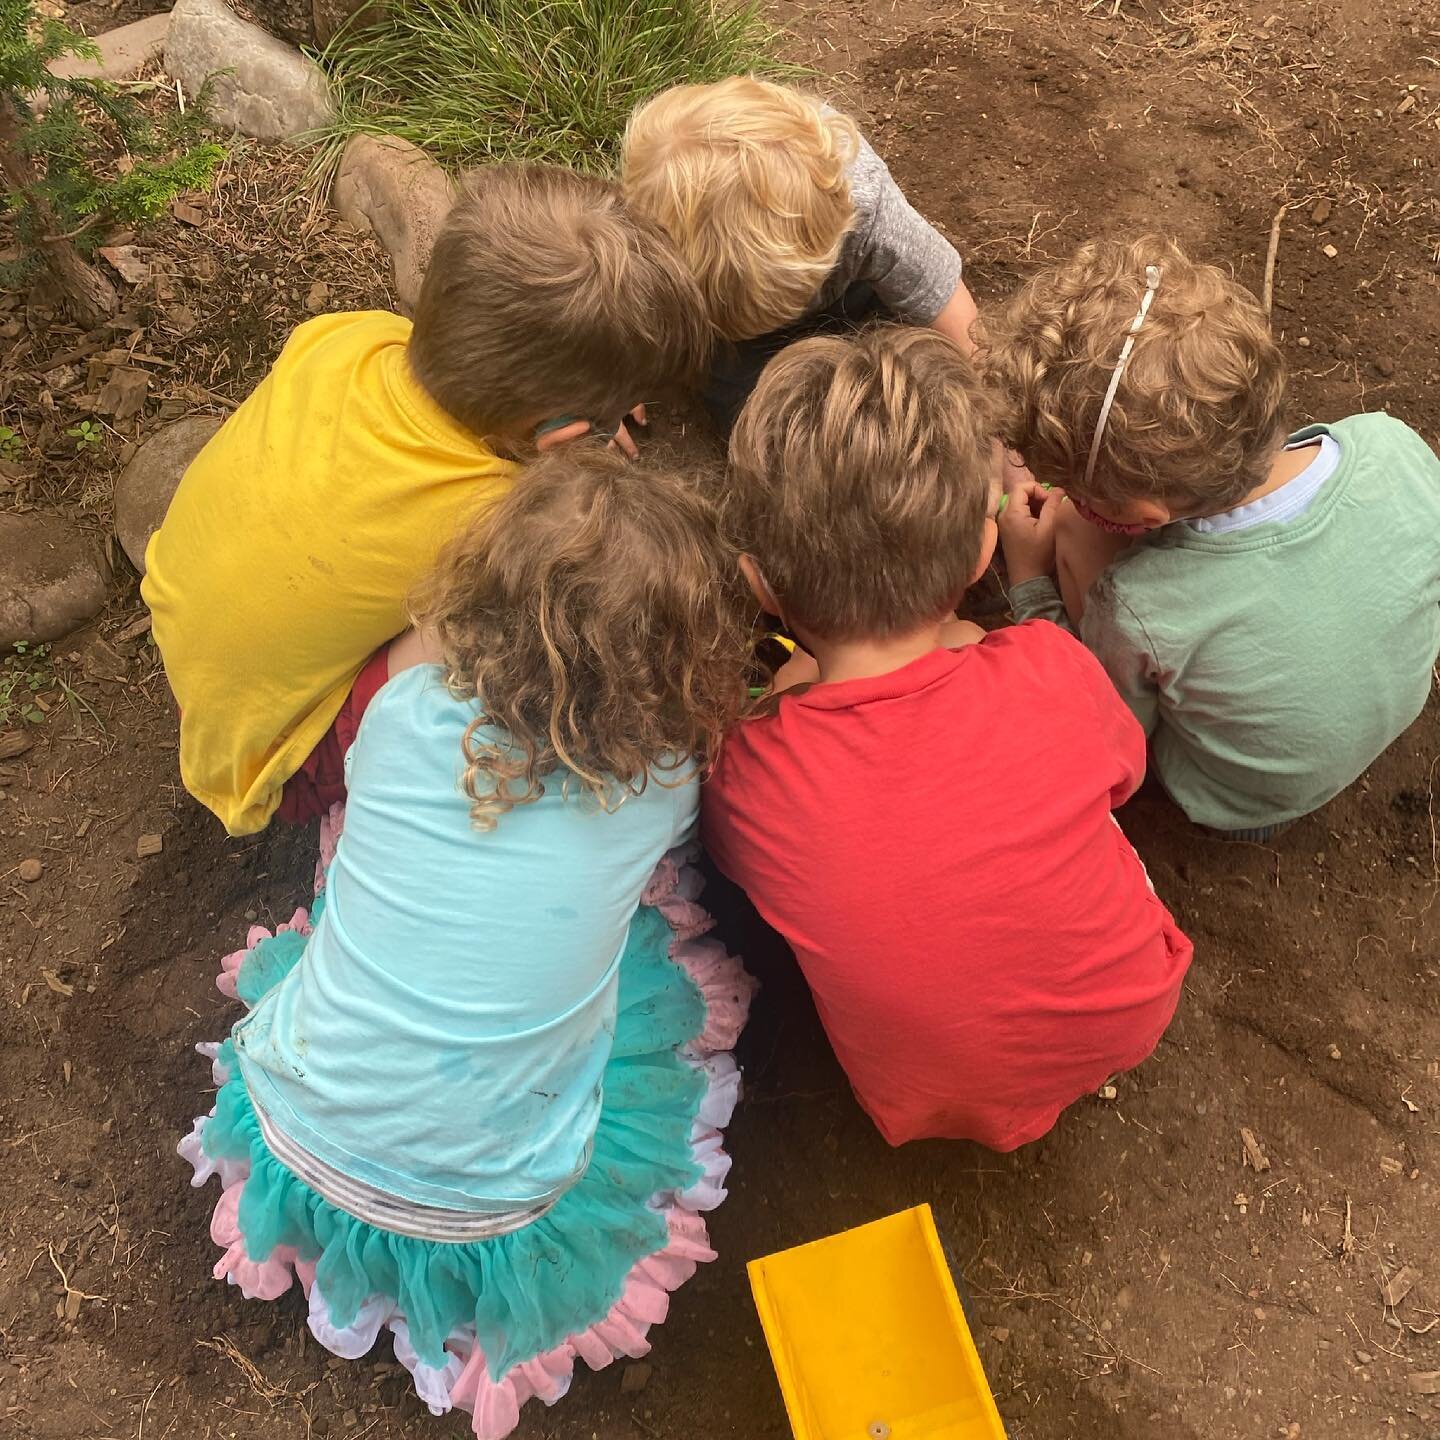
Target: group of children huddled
477,1095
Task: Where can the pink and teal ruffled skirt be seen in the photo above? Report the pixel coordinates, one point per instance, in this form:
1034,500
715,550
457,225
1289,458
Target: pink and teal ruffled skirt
490,1324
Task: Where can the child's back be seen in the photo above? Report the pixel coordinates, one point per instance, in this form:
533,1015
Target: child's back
292,542
929,827
1283,657
289,548
937,845
474,972
480,1102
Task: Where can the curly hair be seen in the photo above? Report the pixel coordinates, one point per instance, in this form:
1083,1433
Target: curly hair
860,479
596,614
1199,410
752,182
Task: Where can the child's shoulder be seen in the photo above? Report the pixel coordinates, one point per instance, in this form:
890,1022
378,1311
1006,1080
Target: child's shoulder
1037,652
346,329
1379,436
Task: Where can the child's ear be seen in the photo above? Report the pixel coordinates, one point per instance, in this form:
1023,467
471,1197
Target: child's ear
760,587
1152,514
987,551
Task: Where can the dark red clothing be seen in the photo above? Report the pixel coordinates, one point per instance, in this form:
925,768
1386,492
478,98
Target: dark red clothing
937,847
320,782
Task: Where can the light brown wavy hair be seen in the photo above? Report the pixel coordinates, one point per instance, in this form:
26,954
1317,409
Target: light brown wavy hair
546,295
596,614
860,479
1199,411
752,182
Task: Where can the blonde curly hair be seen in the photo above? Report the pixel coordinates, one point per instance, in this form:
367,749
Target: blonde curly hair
860,479
751,180
597,615
1199,410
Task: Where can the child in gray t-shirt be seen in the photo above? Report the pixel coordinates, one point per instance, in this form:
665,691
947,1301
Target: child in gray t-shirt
791,222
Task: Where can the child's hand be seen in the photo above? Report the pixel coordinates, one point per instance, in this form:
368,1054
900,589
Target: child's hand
1011,471
552,439
623,440
1027,531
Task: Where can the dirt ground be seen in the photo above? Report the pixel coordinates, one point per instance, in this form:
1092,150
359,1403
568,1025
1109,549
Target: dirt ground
1130,1275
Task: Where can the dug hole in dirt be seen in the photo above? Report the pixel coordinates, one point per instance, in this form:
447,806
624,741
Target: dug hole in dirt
1242,1243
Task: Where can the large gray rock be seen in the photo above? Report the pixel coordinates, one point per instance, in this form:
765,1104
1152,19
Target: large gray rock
147,484
271,91
390,186
52,579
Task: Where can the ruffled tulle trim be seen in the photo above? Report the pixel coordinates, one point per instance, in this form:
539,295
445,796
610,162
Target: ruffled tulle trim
466,1377
464,1380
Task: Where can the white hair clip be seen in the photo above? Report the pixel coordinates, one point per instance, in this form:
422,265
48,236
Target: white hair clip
1152,284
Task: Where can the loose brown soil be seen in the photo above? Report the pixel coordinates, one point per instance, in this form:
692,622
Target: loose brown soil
1129,1276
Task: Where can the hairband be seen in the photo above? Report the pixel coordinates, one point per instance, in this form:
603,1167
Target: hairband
1152,284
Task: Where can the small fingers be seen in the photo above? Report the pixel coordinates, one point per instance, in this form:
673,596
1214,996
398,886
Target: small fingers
1049,513
624,442
562,435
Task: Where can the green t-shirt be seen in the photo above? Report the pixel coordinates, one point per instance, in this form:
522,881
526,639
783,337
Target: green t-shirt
1271,665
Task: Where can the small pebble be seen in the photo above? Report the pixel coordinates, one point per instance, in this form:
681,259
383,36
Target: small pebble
634,1378
31,870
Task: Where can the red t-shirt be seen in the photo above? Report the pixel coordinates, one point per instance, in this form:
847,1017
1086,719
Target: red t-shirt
937,847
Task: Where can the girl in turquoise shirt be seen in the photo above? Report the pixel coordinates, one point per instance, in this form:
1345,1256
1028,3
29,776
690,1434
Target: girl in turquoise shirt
477,1095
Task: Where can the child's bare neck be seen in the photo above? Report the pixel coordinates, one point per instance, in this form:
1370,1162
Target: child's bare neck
862,659
1286,465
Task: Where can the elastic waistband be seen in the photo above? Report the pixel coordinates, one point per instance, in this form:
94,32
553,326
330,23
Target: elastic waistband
392,1212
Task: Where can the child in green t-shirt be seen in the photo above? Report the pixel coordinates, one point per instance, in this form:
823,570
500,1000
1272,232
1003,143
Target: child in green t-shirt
1269,607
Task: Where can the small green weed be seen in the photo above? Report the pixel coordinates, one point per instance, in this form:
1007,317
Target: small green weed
88,437
482,80
12,443
24,674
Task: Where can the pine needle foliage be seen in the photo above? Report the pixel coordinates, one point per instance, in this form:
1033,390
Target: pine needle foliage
91,155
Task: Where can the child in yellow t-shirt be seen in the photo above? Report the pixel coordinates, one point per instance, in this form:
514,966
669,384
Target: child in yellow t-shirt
286,556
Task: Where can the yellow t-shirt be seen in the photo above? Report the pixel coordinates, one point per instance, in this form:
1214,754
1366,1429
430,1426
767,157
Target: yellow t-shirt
290,547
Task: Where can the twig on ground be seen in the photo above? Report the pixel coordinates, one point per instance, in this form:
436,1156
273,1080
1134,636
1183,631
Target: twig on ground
1270,257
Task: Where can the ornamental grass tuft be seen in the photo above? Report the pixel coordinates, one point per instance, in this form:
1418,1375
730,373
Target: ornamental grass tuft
472,81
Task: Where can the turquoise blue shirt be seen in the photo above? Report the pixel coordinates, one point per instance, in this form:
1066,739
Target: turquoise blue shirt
444,1034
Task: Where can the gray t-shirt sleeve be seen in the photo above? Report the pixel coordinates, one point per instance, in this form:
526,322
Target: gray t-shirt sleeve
911,266
1038,599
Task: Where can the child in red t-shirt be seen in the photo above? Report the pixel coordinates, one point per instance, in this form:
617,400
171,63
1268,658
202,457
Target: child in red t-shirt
928,823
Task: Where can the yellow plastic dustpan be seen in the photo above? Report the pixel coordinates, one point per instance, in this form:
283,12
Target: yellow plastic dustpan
868,1338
